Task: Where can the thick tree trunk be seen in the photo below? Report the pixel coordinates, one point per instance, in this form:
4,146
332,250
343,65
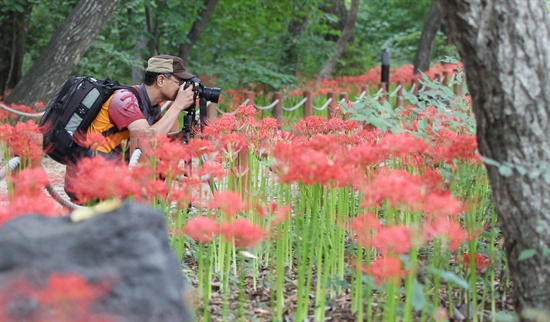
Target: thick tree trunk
63,52
328,68
505,47
427,37
13,38
197,29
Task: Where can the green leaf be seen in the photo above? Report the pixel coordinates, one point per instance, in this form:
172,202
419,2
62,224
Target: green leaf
505,170
451,277
526,254
418,300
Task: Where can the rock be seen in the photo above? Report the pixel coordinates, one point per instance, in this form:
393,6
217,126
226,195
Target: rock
125,251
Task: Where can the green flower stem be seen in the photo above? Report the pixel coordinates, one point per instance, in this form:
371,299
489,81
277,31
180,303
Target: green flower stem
409,284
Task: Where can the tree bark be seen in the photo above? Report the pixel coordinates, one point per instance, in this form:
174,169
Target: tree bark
338,9
63,52
197,29
13,38
505,48
140,44
290,57
427,37
328,68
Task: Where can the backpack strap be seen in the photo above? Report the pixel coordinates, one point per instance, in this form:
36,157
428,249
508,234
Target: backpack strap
115,129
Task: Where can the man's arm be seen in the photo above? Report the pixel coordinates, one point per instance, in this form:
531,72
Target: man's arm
169,121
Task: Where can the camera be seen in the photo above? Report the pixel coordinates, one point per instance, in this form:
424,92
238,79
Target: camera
211,94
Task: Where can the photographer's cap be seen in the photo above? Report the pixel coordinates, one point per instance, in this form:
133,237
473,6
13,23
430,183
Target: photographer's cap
168,64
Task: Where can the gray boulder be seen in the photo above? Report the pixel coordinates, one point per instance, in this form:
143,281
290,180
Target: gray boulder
126,249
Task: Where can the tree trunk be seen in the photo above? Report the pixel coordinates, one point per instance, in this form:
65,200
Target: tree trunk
336,8
13,39
426,44
197,29
140,44
328,68
505,48
63,52
296,28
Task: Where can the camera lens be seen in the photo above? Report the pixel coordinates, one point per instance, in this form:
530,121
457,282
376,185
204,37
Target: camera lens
211,94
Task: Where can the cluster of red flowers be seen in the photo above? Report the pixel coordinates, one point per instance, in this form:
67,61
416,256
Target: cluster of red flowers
64,298
22,140
28,196
243,232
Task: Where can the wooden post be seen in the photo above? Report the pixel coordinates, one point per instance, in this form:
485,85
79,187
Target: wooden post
416,84
332,106
399,101
141,138
445,81
437,78
250,96
344,96
211,113
382,86
308,105
457,87
278,108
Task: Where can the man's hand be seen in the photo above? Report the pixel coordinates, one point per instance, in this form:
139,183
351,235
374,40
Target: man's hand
184,98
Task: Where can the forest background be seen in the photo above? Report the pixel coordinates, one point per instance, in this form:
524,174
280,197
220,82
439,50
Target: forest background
232,44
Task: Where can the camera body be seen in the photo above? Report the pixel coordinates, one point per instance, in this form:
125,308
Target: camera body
211,94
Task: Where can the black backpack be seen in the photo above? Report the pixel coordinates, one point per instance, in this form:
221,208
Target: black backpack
72,109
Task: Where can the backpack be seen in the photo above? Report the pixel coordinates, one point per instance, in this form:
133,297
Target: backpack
72,109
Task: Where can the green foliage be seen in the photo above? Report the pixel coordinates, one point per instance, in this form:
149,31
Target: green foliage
380,115
244,41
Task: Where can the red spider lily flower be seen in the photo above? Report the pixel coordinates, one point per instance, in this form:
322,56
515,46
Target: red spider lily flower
451,145
198,147
386,269
314,161
310,125
29,196
98,178
446,228
226,123
394,240
92,141
242,232
397,187
232,143
201,229
26,204
364,226
481,262
29,182
280,213
228,202
157,188
39,105
182,196
214,170
273,211
64,298
22,139
365,156
442,203
246,114
169,155
401,145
